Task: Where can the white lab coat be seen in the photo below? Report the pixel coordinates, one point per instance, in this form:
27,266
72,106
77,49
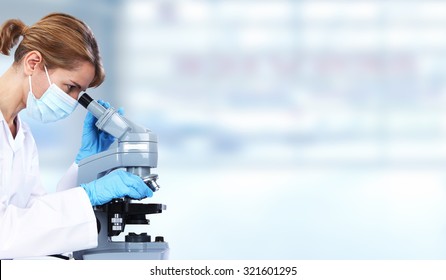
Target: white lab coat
33,223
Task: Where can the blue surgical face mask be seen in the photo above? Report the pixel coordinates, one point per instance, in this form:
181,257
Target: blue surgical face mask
55,104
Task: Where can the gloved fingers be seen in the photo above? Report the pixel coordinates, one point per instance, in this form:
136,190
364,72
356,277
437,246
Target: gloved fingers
132,193
92,135
107,137
104,103
121,111
145,191
107,105
89,121
137,184
117,184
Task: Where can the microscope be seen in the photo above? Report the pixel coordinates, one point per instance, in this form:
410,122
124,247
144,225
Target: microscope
136,151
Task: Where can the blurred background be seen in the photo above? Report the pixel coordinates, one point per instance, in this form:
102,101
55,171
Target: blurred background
287,129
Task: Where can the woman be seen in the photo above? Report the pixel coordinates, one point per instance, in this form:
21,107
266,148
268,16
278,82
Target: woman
57,58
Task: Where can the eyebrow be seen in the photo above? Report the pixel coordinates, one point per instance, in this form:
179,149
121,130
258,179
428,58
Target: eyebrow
76,84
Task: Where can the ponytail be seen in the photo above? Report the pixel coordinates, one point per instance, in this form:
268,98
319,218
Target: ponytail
10,33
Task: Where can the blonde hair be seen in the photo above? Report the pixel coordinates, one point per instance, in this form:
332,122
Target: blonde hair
63,40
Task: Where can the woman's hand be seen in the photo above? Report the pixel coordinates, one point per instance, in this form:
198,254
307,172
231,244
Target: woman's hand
94,140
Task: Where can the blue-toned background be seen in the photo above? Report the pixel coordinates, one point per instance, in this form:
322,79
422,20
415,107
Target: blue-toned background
287,129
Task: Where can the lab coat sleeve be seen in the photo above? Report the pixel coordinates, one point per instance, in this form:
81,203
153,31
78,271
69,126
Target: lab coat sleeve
69,180
54,223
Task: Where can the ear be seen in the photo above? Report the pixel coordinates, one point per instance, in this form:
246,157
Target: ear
31,62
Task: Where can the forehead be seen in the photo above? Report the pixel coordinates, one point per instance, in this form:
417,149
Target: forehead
82,74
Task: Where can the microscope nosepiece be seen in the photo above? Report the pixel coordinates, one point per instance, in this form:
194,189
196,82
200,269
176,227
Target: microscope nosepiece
151,182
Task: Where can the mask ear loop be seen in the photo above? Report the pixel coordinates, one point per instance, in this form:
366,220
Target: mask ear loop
47,75
30,86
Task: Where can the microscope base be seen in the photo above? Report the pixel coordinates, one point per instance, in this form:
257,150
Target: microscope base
123,250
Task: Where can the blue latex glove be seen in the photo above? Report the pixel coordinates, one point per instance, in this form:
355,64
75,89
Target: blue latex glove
94,140
116,184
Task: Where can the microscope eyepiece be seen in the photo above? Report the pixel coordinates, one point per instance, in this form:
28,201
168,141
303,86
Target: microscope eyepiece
85,100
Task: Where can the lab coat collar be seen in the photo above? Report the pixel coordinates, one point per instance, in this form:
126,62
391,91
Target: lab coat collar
17,142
